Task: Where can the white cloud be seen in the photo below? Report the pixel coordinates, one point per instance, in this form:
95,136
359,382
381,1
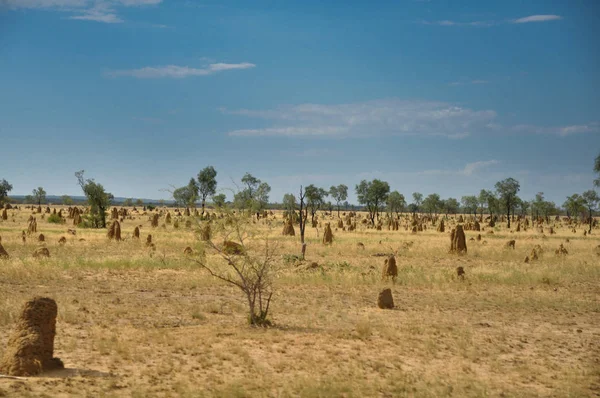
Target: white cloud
470,168
389,116
487,24
446,22
563,131
99,13
178,72
476,81
105,11
537,18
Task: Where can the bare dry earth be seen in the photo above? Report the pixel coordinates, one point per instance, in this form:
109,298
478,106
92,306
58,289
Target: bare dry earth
136,322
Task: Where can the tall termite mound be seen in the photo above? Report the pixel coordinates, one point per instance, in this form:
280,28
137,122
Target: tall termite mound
441,227
288,227
458,241
30,348
3,252
114,231
390,270
327,235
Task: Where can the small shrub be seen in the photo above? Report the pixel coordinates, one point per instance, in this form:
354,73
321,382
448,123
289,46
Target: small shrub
55,219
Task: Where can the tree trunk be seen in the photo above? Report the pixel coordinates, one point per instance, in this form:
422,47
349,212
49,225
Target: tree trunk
508,212
591,220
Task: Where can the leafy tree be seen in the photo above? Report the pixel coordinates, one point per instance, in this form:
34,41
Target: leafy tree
40,195
185,196
373,195
490,199
417,200
139,202
507,191
482,200
254,196
339,194
128,202
289,203
67,200
207,184
98,199
524,207
451,206
590,199
597,170
5,188
470,203
219,200
315,199
396,202
539,204
262,196
432,203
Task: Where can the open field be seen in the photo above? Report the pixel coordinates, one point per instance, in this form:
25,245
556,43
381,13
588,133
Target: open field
139,322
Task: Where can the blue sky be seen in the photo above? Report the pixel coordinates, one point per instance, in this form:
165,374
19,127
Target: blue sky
431,96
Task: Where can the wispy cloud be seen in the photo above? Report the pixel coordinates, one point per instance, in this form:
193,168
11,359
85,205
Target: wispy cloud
471,168
446,22
151,120
563,131
178,72
461,83
537,18
388,116
487,24
105,11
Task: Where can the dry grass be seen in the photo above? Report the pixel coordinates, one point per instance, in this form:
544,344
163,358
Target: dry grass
137,322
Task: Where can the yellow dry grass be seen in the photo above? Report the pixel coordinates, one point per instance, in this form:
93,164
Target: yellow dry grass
137,322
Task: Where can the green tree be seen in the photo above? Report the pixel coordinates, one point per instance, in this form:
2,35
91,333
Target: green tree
470,203
524,207
289,204
40,195
315,199
373,194
139,202
339,194
491,201
5,188
207,184
255,195
590,199
67,200
184,196
98,199
219,200
507,191
128,202
396,202
451,206
432,203
261,199
482,200
597,170
539,204
417,200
